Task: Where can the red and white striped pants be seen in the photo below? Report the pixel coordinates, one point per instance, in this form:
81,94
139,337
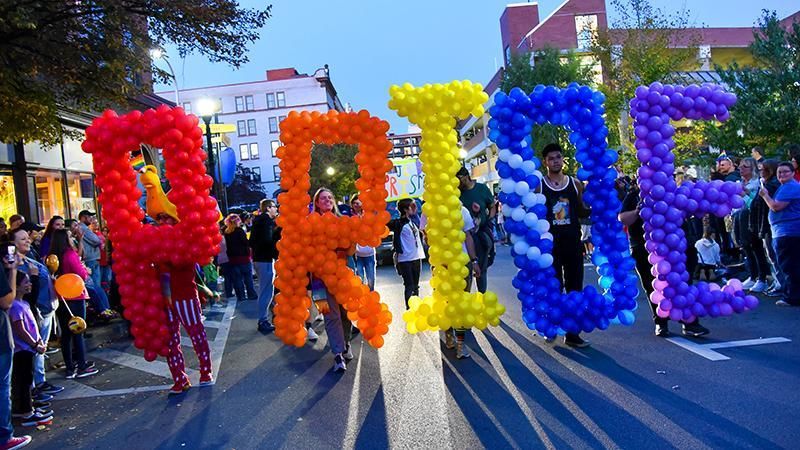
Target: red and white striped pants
188,313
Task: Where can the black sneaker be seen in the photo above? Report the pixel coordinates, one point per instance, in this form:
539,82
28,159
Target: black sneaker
694,330
48,388
44,411
33,420
42,404
89,364
662,330
87,372
339,364
42,397
71,374
574,340
265,327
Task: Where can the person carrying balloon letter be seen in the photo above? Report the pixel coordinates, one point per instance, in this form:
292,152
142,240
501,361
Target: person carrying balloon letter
454,337
629,216
408,249
337,324
179,289
565,207
73,346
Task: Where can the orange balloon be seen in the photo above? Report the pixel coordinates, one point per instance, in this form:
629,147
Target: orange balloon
69,285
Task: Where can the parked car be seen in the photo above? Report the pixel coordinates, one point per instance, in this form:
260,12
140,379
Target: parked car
383,254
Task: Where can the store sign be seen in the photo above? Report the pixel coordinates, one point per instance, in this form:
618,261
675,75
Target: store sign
405,180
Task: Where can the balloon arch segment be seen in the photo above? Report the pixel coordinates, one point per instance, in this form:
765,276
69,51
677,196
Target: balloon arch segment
545,308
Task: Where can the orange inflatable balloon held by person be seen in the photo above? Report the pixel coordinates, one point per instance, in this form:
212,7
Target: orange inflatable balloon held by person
309,242
138,247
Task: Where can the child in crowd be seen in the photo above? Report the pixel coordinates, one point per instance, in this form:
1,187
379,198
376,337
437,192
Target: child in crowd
27,343
708,255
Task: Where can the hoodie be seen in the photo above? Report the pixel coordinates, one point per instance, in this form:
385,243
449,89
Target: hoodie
707,252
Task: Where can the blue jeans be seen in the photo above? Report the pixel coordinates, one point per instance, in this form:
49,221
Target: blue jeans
6,429
789,263
243,281
365,269
337,326
97,296
225,270
97,275
105,276
45,326
266,276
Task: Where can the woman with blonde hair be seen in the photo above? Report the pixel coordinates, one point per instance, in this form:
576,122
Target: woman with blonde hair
239,261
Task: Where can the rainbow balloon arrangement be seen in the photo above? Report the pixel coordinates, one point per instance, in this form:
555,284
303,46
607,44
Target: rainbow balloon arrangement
666,205
544,307
435,109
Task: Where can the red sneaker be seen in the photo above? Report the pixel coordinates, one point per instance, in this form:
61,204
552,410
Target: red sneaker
16,442
206,379
179,388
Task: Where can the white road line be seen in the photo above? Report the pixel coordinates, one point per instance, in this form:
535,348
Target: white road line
157,367
707,350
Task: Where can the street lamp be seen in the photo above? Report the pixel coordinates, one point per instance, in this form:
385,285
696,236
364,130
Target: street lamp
157,53
207,107
330,171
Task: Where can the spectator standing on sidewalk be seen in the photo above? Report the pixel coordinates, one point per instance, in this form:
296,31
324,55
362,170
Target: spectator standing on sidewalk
759,222
46,302
73,346
263,237
364,257
27,343
8,292
55,223
408,249
755,256
240,263
479,201
784,217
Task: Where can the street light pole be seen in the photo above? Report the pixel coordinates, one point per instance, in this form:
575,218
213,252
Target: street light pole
158,53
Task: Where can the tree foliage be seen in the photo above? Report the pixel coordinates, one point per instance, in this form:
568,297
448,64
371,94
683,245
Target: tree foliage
767,112
638,49
92,54
550,67
245,190
341,158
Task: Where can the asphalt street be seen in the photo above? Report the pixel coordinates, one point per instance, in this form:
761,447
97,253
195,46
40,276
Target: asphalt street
630,389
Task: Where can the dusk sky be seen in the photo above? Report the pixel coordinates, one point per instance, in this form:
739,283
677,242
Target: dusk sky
372,44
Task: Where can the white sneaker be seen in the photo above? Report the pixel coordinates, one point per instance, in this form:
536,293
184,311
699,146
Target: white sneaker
748,284
339,364
348,353
319,318
312,335
760,286
461,351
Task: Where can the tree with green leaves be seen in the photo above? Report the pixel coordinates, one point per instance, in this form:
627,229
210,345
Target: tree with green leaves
93,54
643,45
341,159
767,112
550,67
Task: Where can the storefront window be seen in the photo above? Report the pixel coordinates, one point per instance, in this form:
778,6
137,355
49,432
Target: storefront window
80,190
8,201
49,194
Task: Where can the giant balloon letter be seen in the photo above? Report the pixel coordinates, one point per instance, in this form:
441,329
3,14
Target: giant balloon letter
195,239
544,307
666,205
435,109
309,241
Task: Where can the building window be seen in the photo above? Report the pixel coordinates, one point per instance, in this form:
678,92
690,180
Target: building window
80,192
508,54
248,103
273,124
281,99
241,127
270,101
254,151
280,119
275,145
187,106
251,127
8,199
257,174
585,28
276,172
239,104
49,187
244,152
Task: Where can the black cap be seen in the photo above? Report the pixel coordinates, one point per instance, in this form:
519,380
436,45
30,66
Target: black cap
30,226
86,212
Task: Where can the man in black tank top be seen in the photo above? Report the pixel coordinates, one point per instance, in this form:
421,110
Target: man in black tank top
564,202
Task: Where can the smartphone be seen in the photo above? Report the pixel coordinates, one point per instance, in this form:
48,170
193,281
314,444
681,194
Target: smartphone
12,253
